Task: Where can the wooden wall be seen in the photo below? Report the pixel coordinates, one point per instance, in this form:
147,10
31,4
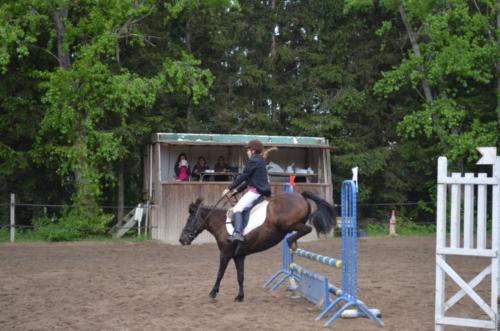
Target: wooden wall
172,204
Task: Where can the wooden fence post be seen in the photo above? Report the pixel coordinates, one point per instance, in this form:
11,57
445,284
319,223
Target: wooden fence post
392,224
12,217
146,221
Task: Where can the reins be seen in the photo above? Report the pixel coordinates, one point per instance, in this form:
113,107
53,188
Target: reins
215,206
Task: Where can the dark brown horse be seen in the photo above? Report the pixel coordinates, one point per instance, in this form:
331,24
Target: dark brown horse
285,213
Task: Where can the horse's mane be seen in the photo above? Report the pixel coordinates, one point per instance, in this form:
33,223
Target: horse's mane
213,215
198,204
203,207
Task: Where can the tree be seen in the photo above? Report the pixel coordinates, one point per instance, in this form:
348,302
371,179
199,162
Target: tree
452,58
87,91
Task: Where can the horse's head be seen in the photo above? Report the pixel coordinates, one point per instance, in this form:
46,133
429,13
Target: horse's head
194,225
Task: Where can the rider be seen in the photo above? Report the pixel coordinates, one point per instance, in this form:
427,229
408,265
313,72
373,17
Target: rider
255,177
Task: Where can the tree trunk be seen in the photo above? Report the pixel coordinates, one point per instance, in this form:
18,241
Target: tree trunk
416,50
189,110
189,115
121,190
59,16
85,194
85,190
273,28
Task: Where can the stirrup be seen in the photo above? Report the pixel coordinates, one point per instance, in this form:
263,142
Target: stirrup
236,237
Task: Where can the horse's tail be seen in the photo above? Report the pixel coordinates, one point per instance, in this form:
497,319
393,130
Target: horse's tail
325,215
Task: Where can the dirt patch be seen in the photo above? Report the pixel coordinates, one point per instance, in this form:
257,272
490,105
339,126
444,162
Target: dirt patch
154,286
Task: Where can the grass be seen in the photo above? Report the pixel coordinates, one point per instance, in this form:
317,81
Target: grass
402,229
30,235
371,230
22,235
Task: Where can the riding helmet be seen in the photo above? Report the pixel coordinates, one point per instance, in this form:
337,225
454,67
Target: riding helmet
256,145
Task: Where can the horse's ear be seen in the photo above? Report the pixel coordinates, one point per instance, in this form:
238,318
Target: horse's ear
194,206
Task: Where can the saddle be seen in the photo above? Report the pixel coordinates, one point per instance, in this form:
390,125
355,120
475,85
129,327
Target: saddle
253,216
246,212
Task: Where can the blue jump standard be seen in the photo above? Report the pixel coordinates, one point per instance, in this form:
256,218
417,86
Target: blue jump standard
316,287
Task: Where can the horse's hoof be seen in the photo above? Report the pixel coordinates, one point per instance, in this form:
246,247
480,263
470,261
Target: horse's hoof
239,298
212,295
293,245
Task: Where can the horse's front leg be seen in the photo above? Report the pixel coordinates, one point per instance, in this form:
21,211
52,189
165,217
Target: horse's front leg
239,262
223,261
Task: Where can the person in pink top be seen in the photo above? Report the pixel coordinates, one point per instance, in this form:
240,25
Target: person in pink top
181,168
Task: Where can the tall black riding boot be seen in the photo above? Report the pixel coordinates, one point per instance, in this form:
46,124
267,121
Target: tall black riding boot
238,228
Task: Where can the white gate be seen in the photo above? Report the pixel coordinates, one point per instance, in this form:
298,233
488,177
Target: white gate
467,239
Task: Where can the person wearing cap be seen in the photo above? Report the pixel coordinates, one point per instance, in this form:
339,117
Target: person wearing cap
254,176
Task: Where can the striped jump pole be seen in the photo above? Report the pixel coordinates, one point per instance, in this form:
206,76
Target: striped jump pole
318,257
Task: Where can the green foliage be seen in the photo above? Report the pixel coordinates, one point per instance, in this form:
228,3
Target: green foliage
89,94
71,133
4,234
357,5
464,145
403,229
52,230
22,235
185,76
71,227
80,97
458,58
377,230
386,27
415,229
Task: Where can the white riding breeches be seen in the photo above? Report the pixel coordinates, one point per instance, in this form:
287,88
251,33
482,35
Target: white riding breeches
246,201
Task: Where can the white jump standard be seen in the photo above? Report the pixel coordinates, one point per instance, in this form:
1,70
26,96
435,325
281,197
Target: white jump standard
466,191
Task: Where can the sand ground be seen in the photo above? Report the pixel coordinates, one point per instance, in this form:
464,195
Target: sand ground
154,286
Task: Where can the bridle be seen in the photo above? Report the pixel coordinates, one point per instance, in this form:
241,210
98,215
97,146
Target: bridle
202,220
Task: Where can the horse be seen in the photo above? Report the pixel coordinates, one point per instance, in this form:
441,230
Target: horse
286,212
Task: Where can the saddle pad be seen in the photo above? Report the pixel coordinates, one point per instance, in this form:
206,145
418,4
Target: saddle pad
257,217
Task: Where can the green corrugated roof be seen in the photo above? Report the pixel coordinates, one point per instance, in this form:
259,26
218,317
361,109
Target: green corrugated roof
237,139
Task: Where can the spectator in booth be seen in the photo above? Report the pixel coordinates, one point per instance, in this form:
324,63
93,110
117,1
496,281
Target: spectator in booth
221,166
181,168
199,168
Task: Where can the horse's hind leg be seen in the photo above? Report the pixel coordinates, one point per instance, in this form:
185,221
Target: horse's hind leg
223,261
301,230
239,262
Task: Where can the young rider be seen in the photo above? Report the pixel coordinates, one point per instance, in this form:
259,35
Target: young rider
254,177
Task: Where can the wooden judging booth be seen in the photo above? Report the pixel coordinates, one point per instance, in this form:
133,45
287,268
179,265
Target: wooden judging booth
307,158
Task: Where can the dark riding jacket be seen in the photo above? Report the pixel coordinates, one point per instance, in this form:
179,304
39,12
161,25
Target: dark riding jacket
254,174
